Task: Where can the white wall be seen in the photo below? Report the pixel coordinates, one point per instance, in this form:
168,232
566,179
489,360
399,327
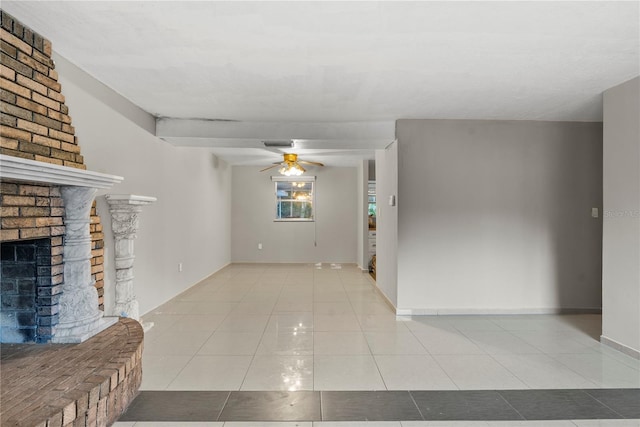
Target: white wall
495,216
387,222
335,229
621,228
189,223
363,216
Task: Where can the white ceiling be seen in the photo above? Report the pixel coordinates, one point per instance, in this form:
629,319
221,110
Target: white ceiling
348,61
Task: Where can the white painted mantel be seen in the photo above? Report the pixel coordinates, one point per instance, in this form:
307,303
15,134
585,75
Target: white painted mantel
125,210
80,318
40,172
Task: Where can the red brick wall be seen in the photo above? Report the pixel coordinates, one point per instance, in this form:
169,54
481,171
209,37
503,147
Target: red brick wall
35,124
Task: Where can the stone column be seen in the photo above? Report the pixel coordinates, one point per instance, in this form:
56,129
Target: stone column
80,317
125,209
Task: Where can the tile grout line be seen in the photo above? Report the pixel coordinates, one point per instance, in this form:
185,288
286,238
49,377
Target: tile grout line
223,406
255,353
433,357
498,392
199,348
555,358
178,374
313,341
509,370
373,357
367,341
602,403
549,355
444,370
416,403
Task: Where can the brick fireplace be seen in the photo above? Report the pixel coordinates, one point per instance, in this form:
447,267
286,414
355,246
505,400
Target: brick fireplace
41,159
34,306
51,249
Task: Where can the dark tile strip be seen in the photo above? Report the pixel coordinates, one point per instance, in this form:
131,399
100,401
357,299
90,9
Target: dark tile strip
625,402
176,406
479,405
464,406
272,406
369,405
557,404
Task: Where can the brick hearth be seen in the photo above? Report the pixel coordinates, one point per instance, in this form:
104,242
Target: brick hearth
88,384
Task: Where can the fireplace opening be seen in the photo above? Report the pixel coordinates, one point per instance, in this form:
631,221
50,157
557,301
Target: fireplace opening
28,299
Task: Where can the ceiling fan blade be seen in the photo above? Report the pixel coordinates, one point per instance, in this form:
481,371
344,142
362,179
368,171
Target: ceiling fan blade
270,167
310,163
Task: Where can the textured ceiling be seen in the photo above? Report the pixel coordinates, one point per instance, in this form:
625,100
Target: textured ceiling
349,61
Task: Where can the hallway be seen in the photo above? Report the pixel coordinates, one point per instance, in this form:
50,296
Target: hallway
268,327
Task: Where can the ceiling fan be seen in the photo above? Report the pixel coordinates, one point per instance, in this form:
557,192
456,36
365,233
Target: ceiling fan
290,166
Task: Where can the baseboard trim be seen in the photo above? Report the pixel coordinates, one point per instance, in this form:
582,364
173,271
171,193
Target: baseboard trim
382,294
629,351
186,289
492,311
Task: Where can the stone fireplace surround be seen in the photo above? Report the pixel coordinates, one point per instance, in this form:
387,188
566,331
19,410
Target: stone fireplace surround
99,361
79,317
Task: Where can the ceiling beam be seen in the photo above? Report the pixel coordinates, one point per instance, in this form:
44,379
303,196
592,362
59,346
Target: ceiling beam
220,133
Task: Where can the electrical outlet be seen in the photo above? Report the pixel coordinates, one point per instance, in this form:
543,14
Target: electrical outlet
594,213
259,245
180,267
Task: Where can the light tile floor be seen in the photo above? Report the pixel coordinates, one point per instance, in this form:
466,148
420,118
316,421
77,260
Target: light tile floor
309,327
560,423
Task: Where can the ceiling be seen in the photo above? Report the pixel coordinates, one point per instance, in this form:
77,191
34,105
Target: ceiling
291,68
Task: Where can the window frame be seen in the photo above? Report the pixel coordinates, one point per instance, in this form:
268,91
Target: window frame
305,179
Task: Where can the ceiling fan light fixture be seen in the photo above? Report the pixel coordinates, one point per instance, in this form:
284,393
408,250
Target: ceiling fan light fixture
291,169
290,165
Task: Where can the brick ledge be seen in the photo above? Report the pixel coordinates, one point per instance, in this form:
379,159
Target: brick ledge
60,385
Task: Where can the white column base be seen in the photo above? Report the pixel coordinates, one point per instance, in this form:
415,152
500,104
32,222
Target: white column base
127,309
78,336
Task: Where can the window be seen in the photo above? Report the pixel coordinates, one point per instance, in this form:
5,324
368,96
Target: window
294,199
